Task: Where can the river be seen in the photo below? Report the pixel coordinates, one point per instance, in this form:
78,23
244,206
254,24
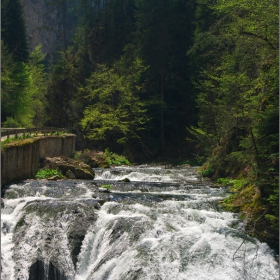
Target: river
155,223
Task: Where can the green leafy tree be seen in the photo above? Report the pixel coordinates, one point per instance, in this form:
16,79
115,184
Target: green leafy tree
238,99
116,111
38,86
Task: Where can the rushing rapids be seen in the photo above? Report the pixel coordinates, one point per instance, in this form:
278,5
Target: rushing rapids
155,223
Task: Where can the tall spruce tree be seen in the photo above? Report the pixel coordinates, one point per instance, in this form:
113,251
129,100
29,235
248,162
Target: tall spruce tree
13,30
163,36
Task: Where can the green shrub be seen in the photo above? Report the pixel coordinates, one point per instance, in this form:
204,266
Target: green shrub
78,155
13,139
103,159
114,159
225,181
11,123
47,173
106,186
207,172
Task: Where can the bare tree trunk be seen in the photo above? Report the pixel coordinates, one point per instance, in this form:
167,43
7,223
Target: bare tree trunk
64,25
255,149
162,110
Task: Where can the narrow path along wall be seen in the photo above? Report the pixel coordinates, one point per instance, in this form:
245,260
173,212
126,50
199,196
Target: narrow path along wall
21,160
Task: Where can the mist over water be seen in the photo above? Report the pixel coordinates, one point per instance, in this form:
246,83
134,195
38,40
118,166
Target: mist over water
164,223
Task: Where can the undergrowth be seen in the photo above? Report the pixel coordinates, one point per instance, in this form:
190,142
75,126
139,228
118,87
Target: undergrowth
47,173
260,221
106,186
115,159
21,137
15,138
101,159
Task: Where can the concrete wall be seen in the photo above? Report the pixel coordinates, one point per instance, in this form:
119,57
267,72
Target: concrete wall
21,160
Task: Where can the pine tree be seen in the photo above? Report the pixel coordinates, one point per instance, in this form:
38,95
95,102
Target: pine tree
13,30
163,36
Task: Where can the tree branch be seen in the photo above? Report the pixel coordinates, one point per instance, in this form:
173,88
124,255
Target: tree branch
259,37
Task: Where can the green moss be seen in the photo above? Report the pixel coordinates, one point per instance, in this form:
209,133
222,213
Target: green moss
26,139
246,199
225,181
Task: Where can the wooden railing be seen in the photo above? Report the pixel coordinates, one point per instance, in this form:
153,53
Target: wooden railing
22,131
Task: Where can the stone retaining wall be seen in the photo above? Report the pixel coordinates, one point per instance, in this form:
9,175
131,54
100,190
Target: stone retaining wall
21,160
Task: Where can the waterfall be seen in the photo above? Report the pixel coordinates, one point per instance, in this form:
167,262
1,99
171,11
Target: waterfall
155,223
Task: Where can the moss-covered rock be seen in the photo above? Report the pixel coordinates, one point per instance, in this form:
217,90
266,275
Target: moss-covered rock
98,160
64,164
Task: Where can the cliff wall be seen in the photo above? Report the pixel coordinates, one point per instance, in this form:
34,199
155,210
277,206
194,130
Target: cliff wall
21,160
45,24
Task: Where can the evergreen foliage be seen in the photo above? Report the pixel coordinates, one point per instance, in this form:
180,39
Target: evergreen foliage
238,88
23,89
13,31
15,98
163,35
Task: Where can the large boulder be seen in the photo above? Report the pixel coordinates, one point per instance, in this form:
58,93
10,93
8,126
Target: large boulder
79,169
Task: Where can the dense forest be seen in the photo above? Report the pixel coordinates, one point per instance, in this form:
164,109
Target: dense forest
193,80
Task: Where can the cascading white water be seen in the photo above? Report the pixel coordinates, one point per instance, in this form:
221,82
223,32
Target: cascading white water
163,224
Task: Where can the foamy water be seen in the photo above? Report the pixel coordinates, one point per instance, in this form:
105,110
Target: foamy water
164,224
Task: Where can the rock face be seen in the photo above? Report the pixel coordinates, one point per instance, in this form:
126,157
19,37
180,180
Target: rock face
44,25
96,159
70,175
40,21
41,271
79,169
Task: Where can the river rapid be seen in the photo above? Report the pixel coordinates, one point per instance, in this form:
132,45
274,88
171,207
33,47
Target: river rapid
156,223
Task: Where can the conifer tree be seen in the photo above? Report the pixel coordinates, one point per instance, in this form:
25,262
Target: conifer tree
13,30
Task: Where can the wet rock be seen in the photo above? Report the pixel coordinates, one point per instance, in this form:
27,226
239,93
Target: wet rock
70,175
126,180
79,216
65,164
54,178
45,271
97,206
96,159
104,190
124,224
93,161
78,230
